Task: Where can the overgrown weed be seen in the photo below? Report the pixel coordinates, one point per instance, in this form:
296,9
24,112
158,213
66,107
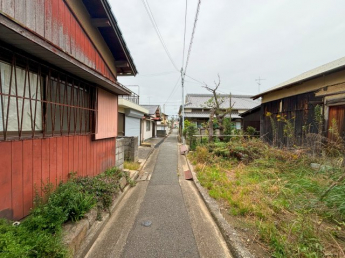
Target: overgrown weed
131,165
279,193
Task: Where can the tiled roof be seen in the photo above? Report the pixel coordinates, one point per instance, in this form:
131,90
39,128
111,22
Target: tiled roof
241,102
329,67
206,114
151,108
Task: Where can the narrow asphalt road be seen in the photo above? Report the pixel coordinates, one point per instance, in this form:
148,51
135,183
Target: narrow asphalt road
157,219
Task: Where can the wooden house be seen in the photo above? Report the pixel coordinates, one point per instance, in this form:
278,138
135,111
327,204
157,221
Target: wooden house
298,101
59,62
197,111
149,129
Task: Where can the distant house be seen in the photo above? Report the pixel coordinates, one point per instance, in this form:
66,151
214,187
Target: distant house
131,116
297,98
59,67
163,126
149,129
197,111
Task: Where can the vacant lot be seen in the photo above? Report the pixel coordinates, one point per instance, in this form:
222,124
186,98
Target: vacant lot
275,198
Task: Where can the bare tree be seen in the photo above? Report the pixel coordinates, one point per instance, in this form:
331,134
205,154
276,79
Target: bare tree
215,105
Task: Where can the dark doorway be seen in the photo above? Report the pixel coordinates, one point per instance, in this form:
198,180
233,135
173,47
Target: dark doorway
121,124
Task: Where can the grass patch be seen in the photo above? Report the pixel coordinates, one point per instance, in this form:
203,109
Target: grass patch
131,165
39,235
276,192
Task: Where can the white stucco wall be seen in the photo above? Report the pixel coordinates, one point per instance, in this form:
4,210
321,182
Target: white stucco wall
147,134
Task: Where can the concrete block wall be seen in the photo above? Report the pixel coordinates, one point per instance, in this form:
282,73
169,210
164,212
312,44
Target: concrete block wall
119,153
131,148
126,149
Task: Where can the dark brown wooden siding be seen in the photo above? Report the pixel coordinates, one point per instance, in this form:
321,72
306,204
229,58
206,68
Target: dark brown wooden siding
28,164
337,113
252,119
299,109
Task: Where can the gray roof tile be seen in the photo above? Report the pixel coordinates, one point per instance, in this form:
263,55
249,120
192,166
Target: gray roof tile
241,102
151,108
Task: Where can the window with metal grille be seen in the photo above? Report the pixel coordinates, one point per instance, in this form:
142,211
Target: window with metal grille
39,101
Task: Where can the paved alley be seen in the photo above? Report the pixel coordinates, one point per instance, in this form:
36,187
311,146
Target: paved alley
153,220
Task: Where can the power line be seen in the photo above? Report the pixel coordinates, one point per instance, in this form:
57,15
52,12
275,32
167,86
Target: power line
183,73
175,87
153,21
191,40
157,74
184,36
195,79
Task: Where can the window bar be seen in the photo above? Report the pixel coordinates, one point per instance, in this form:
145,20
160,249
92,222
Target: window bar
91,97
69,109
74,110
53,100
87,105
30,98
83,93
91,107
56,99
45,105
16,88
49,87
79,109
62,114
83,110
9,98
2,108
38,81
23,102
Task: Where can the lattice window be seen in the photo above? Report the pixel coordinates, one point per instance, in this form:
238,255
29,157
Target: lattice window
38,101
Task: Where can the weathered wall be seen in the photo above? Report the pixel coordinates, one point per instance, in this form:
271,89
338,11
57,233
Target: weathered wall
27,165
56,23
298,109
307,86
252,120
119,153
131,148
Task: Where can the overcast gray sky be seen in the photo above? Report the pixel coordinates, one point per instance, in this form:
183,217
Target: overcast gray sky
239,40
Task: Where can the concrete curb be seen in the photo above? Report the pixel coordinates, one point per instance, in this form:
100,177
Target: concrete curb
79,237
149,154
234,243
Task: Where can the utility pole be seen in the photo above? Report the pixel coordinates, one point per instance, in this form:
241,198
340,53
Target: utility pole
259,82
182,83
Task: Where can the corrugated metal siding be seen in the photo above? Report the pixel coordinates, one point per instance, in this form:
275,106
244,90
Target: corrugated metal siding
53,20
132,127
25,165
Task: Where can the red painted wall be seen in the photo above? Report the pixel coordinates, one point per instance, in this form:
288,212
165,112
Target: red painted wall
53,21
26,165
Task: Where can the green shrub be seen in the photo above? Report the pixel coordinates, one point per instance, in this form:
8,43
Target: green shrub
21,241
39,235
